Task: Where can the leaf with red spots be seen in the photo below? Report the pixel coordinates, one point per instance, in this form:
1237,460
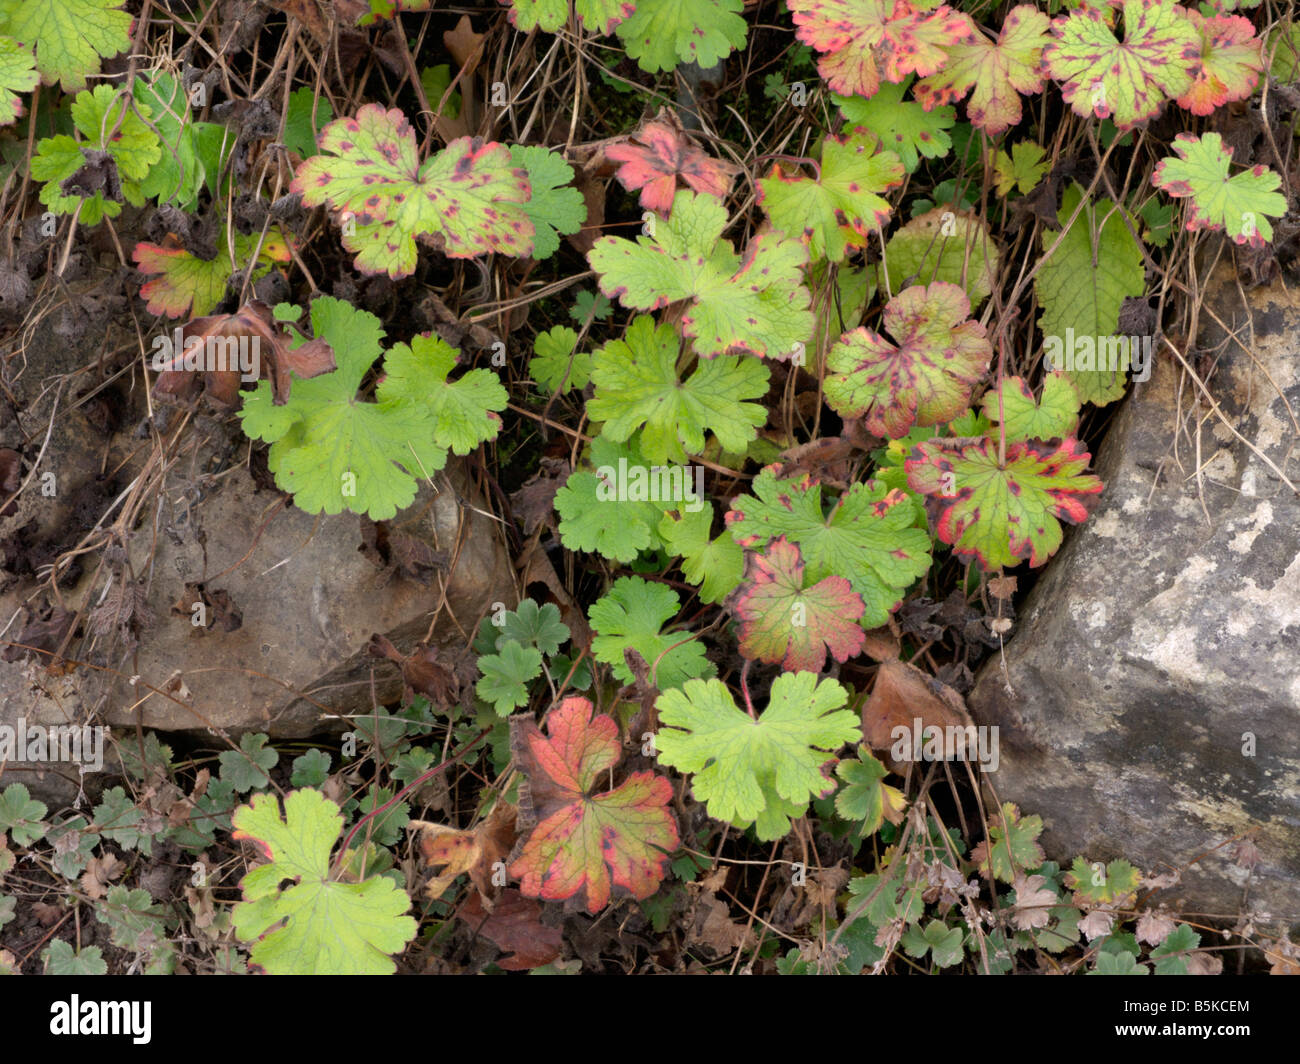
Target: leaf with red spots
999,73
840,208
755,305
903,126
1240,204
865,41
185,286
598,16
582,844
998,514
1231,62
658,154
926,379
868,537
1129,81
470,196
788,622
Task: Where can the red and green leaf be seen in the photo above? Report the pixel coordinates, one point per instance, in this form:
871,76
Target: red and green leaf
999,73
470,195
998,514
1240,203
785,621
1230,64
184,286
926,379
583,844
865,41
839,209
660,154
1129,80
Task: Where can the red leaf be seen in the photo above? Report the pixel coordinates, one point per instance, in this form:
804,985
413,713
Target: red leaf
657,155
584,844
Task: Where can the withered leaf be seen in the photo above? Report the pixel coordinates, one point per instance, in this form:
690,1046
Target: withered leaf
513,926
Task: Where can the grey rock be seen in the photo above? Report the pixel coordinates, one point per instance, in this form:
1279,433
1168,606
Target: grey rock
1149,706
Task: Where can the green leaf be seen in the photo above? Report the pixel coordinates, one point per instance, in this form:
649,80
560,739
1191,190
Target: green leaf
507,674
785,619
904,126
764,770
660,34
926,379
943,244
1128,81
69,37
638,387
133,921
598,16
61,959
1122,963
1241,204
73,846
1053,417
596,516
21,815
867,537
716,565
999,73
534,625
555,207
335,452
555,365
1115,884
1022,169
120,820
387,828
179,173
308,115
311,769
464,410
17,74
944,944
1081,287
250,765
997,515
865,797
1168,955
1012,847
840,209
321,926
133,151
756,306
631,614
470,194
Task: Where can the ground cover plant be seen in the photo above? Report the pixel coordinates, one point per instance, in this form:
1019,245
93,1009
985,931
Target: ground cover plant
775,340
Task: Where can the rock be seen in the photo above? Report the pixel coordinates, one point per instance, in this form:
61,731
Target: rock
287,603
1153,711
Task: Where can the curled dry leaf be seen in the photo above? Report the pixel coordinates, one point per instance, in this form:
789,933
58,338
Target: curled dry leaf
474,851
251,337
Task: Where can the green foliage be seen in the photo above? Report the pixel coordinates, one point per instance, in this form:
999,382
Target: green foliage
556,365
61,959
133,150
630,616
761,771
867,536
507,674
554,206
334,452
639,389
21,815
69,38
660,34
908,129
319,925
757,305
1081,287
249,767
